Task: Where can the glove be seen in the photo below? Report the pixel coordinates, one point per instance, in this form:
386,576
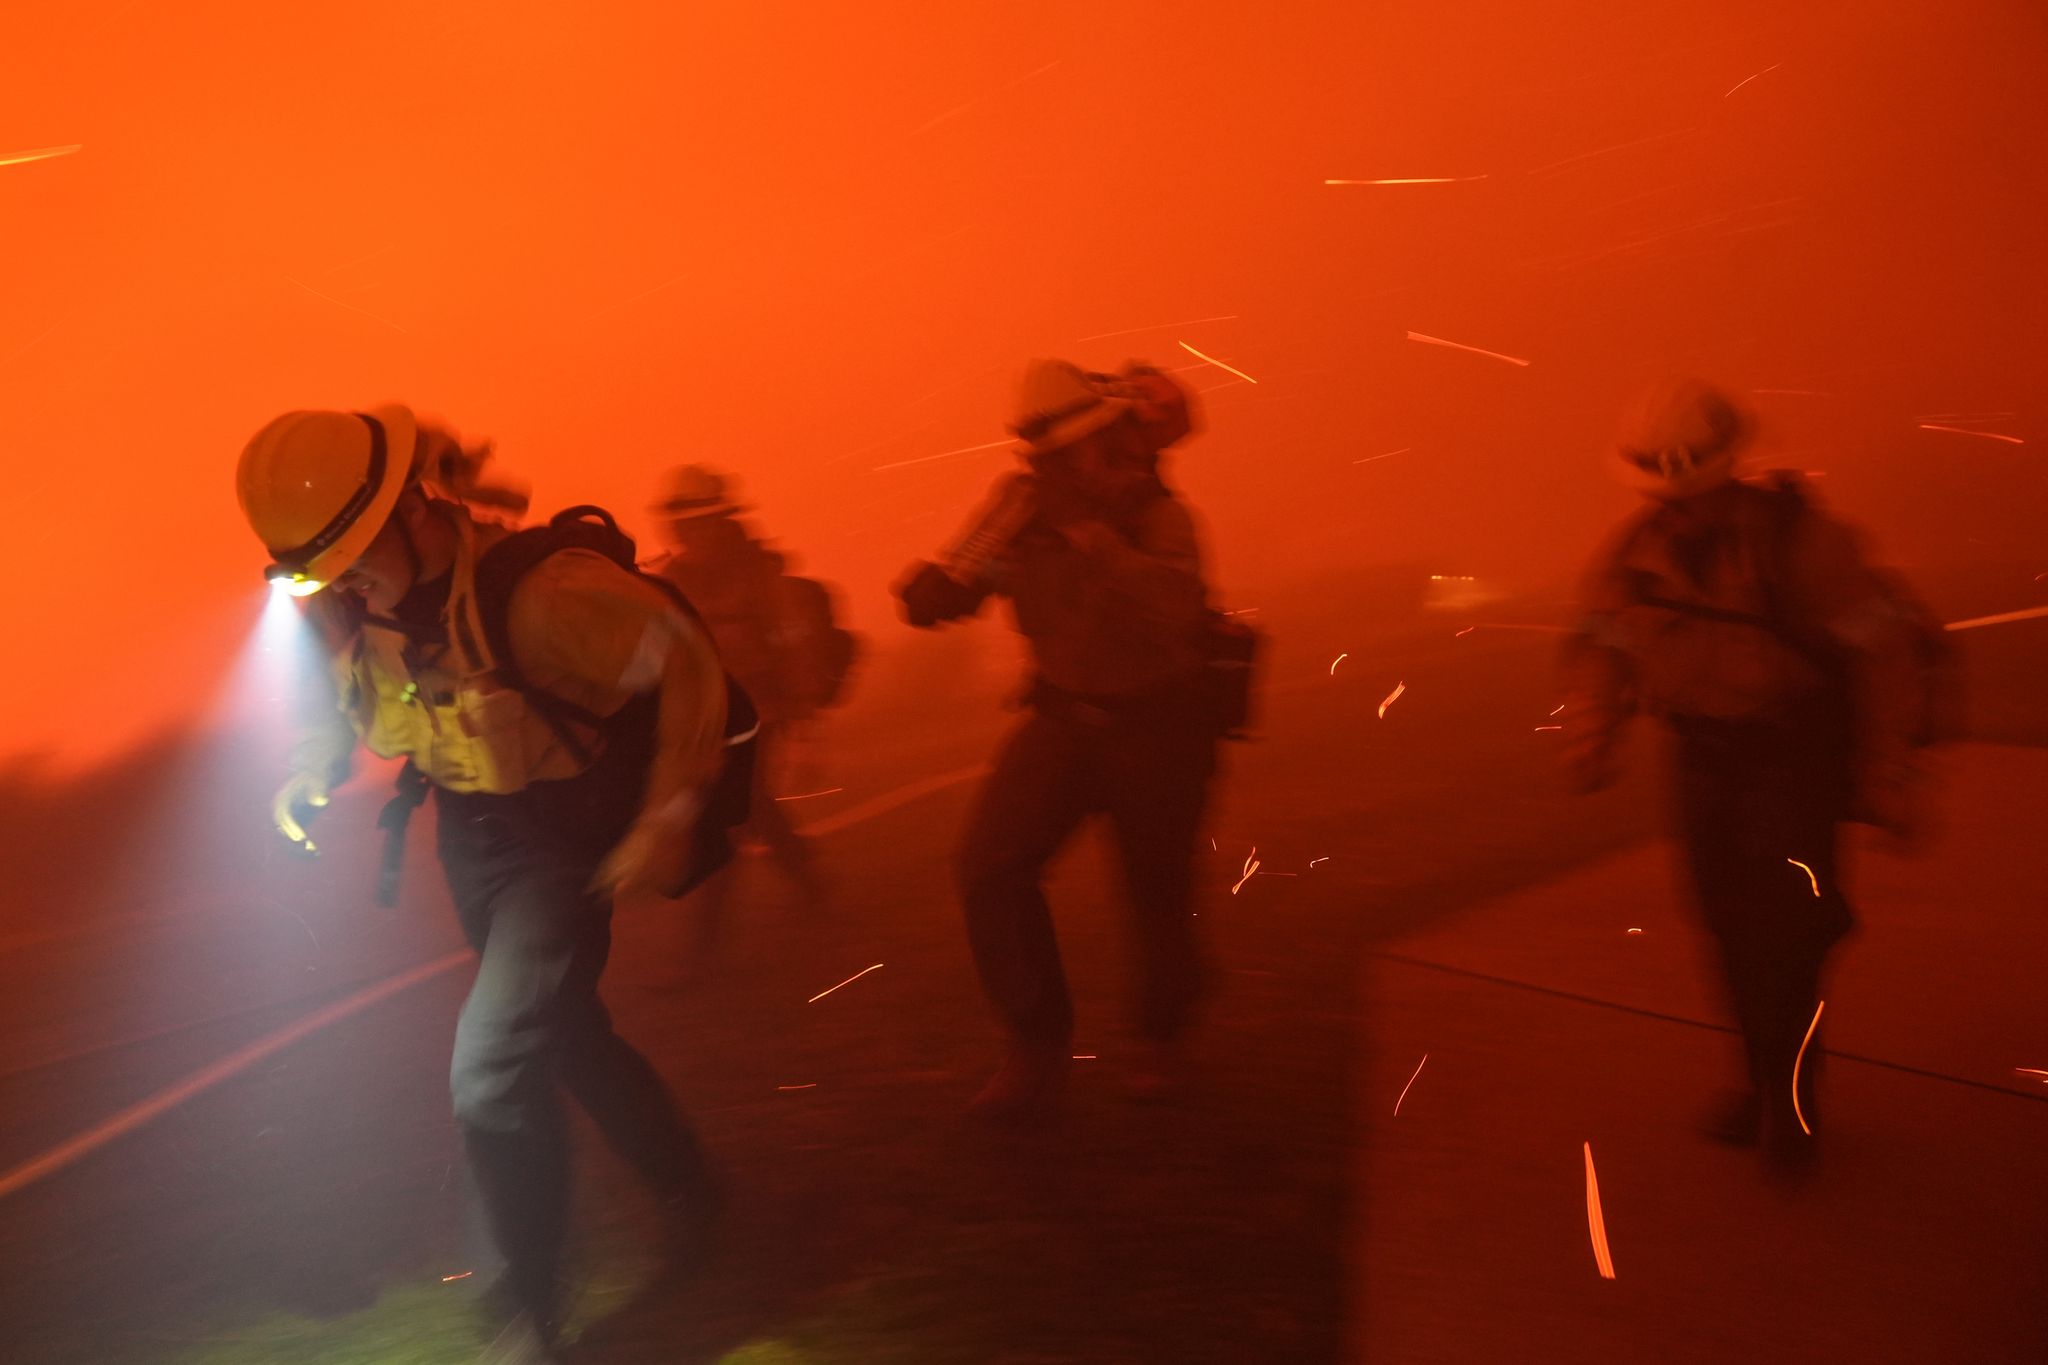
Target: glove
654,855
304,791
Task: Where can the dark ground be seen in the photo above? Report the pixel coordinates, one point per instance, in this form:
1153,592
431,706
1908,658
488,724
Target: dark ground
307,1210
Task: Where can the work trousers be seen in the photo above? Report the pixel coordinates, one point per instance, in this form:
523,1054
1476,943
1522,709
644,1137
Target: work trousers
1759,808
520,868
1147,766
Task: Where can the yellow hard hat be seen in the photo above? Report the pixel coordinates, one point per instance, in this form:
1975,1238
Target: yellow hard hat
316,487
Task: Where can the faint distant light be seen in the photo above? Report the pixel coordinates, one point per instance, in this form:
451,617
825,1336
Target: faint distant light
1460,346
1217,363
40,154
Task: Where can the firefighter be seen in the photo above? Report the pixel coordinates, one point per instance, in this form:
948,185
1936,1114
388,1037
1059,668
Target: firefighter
1103,569
1749,620
778,638
540,819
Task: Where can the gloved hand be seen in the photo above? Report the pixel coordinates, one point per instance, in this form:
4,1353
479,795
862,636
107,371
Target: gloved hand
307,791
654,856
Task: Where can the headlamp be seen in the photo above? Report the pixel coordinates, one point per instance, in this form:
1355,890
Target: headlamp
284,578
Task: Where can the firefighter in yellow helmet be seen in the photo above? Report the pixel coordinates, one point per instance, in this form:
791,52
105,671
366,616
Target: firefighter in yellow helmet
1748,620
571,742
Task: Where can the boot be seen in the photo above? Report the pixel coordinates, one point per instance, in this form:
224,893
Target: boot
1159,1073
1027,1085
1736,1120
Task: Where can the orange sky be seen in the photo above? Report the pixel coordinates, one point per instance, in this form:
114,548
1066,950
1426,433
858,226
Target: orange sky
805,240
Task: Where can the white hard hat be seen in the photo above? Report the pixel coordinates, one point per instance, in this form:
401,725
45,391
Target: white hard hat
1679,437
693,490
1058,403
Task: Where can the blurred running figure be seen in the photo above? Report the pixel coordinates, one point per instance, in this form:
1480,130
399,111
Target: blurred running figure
1793,677
778,638
571,721
1103,568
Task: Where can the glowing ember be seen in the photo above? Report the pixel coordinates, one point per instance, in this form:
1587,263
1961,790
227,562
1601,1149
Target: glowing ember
40,154
1460,346
1596,1223
1809,874
848,982
943,455
1747,79
1217,363
1635,931
1964,431
2028,614
1392,697
1251,865
1796,1113
1411,1081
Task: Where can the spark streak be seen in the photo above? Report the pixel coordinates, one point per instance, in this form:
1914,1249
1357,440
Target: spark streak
1251,865
808,795
1392,697
40,154
450,1279
1541,728
2032,1071
1156,327
848,982
1411,1081
1217,363
1388,456
1596,1224
808,1085
1965,431
1460,346
1747,79
1338,660
1809,875
1796,1113
942,455
2002,618
1412,180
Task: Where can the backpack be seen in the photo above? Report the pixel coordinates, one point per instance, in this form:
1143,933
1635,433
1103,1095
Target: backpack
499,571
1938,673
820,652
1938,667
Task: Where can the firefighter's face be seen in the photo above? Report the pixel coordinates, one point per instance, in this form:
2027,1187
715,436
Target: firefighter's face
703,537
383,574
1104,466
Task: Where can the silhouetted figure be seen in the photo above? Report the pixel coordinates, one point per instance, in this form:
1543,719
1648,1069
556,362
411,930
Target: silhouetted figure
779,639
1789,673
1103,569
571,721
